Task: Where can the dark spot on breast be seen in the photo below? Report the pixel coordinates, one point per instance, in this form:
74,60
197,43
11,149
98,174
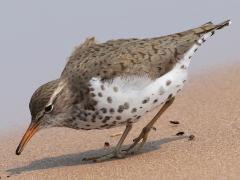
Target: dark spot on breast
120,108
93,118
129,119
109,99
168,82
91,89
111,110
102,87
138,117
104,110
134,110
100,94
93,103
106,118
145,100
100,116
183,67
118,117
115,89
126,105
105,125
92,94
81,116
156,100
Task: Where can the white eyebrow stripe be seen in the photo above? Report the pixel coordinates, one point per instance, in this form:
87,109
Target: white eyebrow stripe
60,87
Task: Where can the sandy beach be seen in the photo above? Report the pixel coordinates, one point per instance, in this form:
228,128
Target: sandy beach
208,108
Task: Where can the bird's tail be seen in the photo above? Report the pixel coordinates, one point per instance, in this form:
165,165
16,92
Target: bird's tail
208,29
193,38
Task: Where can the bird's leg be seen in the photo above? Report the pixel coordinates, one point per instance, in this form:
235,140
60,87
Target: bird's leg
117,151
144,133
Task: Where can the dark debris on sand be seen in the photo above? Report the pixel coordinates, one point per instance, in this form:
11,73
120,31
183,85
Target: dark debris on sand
174,122
180,133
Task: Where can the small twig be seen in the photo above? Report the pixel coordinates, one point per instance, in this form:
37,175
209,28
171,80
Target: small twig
116,134
174,122
154,128
180,133
106,144
191,137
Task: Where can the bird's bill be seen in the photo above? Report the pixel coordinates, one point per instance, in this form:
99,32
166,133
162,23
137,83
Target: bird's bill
32,129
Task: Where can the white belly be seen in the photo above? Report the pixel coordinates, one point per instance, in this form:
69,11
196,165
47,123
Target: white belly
128,99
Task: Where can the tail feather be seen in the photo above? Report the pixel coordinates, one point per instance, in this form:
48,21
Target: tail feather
210,30
190,40
223,24
210,27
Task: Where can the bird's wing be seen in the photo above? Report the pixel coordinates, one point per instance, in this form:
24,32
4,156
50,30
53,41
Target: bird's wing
153,57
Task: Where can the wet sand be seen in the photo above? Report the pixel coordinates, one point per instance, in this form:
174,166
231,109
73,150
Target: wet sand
208,108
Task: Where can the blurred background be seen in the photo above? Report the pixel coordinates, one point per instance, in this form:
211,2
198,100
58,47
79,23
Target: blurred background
36,38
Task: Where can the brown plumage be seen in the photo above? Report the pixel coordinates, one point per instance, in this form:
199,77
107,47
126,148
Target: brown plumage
153,56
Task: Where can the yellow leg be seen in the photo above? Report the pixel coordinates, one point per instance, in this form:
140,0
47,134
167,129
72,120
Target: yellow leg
145,131
117,151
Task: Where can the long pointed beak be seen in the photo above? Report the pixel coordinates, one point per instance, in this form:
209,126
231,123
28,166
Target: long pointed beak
32,129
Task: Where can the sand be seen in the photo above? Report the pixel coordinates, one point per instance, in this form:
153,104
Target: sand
208,108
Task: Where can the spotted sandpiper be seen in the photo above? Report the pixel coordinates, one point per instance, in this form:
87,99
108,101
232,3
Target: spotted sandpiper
115,83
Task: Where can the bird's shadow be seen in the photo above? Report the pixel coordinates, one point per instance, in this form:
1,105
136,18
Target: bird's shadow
76,158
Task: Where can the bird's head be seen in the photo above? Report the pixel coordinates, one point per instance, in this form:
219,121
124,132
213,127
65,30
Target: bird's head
45,107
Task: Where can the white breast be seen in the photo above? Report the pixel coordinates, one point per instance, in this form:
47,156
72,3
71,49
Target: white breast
128,99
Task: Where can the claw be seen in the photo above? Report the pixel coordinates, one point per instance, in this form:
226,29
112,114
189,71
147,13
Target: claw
143,136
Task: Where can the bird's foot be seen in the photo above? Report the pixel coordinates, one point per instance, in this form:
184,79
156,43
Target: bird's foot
112,155
142,136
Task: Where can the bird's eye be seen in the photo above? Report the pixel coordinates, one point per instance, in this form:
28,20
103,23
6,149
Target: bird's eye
48,108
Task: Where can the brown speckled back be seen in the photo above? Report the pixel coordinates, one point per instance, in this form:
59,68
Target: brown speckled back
154,56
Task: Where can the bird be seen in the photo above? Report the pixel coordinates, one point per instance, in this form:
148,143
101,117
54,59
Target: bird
116,83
